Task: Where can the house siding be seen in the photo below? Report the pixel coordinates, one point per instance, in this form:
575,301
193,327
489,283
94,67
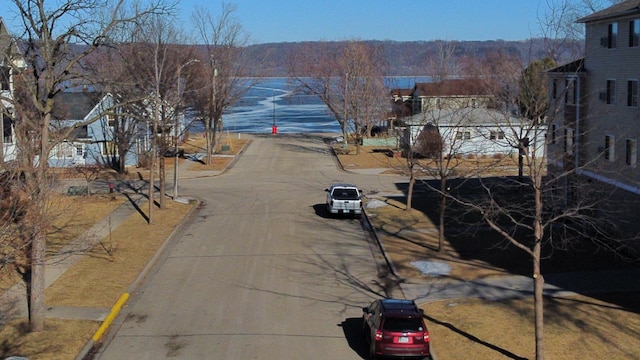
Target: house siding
618,120
602,126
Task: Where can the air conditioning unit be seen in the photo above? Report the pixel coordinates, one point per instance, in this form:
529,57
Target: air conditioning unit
602,96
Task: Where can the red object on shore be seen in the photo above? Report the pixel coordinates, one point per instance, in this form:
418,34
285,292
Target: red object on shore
274,130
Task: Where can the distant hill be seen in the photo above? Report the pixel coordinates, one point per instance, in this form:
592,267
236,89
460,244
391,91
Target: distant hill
406,58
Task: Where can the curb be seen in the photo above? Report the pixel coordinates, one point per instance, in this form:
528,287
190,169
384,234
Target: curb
115,310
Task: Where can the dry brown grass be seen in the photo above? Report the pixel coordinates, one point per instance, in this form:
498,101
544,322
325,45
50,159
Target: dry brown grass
578,327
98,280
197,144
71,217
61,339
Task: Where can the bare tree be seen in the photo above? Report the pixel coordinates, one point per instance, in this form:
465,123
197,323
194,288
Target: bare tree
47,34
557,25
347,79
127,114
157,59
224,75
523,209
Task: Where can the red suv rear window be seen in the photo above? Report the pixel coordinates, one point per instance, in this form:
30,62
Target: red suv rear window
402,324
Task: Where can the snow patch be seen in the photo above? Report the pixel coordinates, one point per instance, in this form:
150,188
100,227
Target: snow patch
375,203
432,268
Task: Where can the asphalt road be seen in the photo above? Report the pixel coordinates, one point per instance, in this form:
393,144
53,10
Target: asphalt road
261,272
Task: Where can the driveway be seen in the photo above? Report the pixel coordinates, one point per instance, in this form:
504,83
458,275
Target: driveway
262,272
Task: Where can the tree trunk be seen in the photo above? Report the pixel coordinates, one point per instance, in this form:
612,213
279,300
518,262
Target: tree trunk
345,141
37,286
538,287
162,179
412,181
520,163
443,207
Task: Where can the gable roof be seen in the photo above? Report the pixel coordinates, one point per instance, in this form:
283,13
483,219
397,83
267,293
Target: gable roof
576,66
453,87
8,47
74,105
630,7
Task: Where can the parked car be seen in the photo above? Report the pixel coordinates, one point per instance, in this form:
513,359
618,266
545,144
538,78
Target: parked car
394,327
344,199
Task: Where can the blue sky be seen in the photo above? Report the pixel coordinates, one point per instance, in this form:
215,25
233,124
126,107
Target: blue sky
302,20
311,20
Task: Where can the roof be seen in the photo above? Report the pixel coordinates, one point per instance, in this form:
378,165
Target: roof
575,66
465,117
402,92
400,306
453,87
630,7
8,46
74,105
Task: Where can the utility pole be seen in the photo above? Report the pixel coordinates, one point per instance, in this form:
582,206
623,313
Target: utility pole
176,126
345,144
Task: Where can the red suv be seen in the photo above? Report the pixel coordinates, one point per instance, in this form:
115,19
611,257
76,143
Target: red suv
395,328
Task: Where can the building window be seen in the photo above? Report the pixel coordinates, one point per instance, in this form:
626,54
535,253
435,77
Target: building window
570,91
612,39
632,93
463,135
5,77
554,89
609,147
79,150
568,141
553,133
63,150
632,152
634,33
499,135
611,92
108,148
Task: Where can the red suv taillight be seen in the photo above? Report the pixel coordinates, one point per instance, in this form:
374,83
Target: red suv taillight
378,335
425,336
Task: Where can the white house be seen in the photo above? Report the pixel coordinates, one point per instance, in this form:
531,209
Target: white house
10,59
93,141
476,131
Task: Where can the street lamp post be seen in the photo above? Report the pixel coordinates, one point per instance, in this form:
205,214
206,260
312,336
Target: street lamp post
176,132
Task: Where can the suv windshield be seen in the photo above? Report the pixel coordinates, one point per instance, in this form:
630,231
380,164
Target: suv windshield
345,194
402,324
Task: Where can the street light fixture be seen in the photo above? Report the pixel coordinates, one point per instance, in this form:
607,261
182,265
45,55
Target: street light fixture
176,133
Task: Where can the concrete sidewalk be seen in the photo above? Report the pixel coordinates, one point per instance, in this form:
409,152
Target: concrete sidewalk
13,302
509,287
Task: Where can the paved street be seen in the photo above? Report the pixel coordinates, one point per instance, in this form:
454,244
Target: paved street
262,272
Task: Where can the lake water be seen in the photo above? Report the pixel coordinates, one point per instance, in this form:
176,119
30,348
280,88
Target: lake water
273,100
